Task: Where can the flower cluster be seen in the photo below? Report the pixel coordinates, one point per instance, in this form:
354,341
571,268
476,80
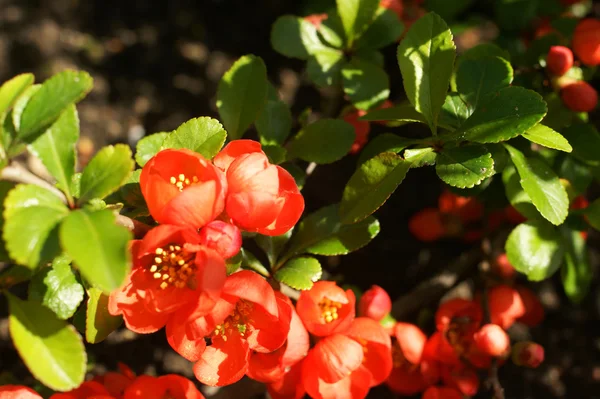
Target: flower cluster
179,277
117,385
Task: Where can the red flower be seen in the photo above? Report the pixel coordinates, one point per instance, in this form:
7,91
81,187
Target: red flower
461,311
116,383
502,267
326,308
442,393
248,317
262,198
534,310
18,392
462,378
586,41
361,130
506,305
89,389
408,344
579,96
347,365
223,237
559,60
427,225
271,367
528,354
166,387
182,188
375,303
492,340
289,386
170,270
468,209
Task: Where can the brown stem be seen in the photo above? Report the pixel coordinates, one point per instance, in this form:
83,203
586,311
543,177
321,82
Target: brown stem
17,174
434,288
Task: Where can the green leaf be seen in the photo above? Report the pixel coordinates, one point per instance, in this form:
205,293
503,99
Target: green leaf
476,78
14,274
503,115
323,141
274,123
536,249
203,135
404,113
577,173
51,99
517,197
322,233
331,31
297,173
426,58
484,50
543,135
454,112
56,148
57,288
242,94
99,323
131,193
464,167
447,9
148,147
106,172
324,67
576,273
12,89
365,84
273,245
356,15
386,142
419,157
371,185
31,216
97,246
385,30
234,263
294,37
300,273
275,153
5,188
541,185
249,261
585,140
52,349
592,213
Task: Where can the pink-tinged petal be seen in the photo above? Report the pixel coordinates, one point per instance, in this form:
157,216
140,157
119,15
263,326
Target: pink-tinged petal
292,208
253,172
234,150
266,367
353,386
189,348
253,288
289,386
195,206
297,344
211,272
18,392
223,362
377,348
411,340
254,210
224,238
335,356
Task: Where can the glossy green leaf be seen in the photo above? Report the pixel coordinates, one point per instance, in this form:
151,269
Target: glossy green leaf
52,350
517,197
356,15
300,273
5,188
242,94
106,172
592,213
148,147
386,142
404,113
454,112
32,215
385,30
541,185
12,89
419,157
273,245
464,167
332,32
99,323
426,58
365,84
536,249
203,135
585,141
322,233
504,115
56,148
234,263
295,37
275,153
56,94
97,246
476,78
371,185
57,288
21,103
274,123
324,67
323,141
576,273
251,262
543,135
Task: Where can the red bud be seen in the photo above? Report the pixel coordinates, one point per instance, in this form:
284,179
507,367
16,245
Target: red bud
579,96
528,354
559,60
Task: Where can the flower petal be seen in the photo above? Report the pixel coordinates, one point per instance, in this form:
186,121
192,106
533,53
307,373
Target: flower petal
223,362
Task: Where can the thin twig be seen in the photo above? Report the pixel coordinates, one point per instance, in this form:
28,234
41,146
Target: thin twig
17,174
434,288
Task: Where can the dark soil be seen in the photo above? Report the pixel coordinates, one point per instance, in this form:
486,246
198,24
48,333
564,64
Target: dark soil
157,64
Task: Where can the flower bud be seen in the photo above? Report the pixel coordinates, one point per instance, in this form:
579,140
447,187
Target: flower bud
492,340
579,96
502,267
586,41
559,60
427,225
528,354
505,305
223,237
375,303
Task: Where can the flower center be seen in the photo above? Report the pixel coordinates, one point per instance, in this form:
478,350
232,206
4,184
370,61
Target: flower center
329,309
173,266
237,321
182,181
